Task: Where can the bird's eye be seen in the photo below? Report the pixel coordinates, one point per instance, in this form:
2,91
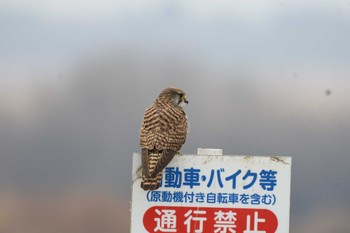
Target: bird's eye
181,95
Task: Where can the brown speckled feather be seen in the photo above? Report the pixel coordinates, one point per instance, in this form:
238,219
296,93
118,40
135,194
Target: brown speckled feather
163,132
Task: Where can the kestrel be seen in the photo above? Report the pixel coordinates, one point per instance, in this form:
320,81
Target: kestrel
163,132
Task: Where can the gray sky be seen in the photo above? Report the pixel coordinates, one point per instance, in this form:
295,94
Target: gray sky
263,78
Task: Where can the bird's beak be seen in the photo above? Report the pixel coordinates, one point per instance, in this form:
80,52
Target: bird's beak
184,99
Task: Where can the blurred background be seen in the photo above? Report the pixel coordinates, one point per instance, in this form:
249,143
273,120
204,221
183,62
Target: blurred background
264,77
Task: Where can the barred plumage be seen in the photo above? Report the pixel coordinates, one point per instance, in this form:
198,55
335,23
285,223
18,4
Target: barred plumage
163,132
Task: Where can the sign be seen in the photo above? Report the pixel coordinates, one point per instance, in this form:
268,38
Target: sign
215,193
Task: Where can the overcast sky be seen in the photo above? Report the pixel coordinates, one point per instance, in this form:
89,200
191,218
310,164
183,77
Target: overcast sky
263,77
249,32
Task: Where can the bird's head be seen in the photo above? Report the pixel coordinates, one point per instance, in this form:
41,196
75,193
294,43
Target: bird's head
174,95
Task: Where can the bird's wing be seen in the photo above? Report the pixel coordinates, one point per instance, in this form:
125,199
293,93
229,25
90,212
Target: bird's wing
148,128
163,161
145,159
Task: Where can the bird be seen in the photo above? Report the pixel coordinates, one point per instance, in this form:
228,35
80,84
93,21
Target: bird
163,132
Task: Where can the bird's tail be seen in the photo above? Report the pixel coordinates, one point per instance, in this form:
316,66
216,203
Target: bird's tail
152,181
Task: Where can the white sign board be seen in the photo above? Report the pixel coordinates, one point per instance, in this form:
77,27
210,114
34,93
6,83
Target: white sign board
215,193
